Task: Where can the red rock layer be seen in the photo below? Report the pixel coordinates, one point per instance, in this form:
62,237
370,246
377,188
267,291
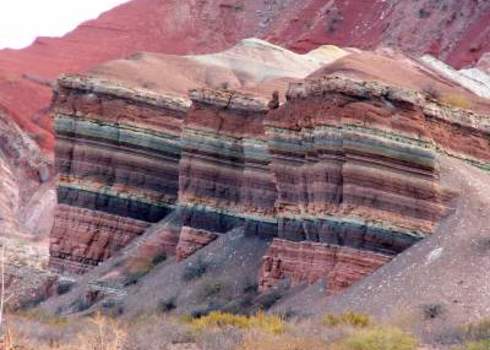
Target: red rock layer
191,240
81,238
457,31
309,262
344,163
334,98
160,240
224,154
352,147
117,155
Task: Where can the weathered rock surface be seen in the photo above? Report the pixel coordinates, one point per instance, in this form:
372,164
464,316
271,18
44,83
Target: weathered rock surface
455,31
347,167
309,262
117,163
191,240
118,150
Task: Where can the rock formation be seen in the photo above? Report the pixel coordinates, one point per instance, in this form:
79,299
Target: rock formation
191,240
117,157
309,262
455,31
118,150
341,177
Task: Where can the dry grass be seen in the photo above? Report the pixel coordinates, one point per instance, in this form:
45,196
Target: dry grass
267,341
98,333
476,345
478,330
476,335
261,321
218,330
456,101
348,318
377,338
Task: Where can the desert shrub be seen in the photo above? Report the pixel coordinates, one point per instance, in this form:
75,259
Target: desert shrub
167,305
266,341
378,339
133,278
205,310
456,101
81,304
348,318
289,313
211,288
432,311
423,13
266,301
64,287
113,307
159,258
267,323
243,304
194,270
251,287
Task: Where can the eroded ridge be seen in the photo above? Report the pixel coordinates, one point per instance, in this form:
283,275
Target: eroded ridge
117,155
342,177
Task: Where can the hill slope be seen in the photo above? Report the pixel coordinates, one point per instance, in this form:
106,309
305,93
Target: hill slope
192,26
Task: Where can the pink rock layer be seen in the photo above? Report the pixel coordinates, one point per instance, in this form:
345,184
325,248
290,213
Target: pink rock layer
224,162
456,31
309,262
81,238
191,240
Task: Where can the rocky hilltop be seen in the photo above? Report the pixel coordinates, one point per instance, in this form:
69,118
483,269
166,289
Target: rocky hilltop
339,172
455,31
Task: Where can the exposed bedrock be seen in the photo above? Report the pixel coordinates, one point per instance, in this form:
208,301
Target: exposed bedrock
225,154
191,240
308,262
344,163
117,156
342,177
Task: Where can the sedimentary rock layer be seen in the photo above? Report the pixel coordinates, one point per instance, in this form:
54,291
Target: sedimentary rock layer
308,262
81,238
344,163
344,174
117,156
225,158
191,240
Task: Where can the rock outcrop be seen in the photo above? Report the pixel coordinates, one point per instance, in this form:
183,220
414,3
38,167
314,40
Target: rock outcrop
117,157
453,30
341,177
191,240
309,262
119,146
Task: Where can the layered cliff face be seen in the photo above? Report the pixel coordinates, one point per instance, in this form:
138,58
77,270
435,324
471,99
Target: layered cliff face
341,176
339,267
344,163
224,168
356,164
455,31
119,145
117,156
